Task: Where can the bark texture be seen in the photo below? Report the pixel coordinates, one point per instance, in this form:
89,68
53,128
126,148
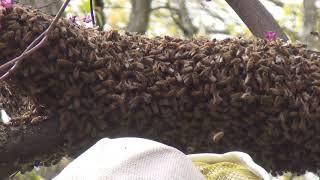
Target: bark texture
139,16
99,14
310,22
25,145
84,84
256,17
183,19
47,6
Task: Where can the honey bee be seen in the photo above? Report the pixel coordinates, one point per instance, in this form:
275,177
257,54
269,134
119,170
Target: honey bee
181,92
10,35
133,103
217,136
64,63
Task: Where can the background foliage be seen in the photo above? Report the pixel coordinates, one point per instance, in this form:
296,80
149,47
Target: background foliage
213,19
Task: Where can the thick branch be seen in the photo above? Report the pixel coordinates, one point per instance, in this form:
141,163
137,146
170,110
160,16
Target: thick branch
256,17
25,142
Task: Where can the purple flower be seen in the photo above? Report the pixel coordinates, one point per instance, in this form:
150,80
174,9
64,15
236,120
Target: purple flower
6,3
87,19
271,36
73,19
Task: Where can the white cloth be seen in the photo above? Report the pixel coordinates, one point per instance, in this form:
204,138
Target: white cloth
130,159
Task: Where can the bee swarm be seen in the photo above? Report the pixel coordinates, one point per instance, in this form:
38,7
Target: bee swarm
197,95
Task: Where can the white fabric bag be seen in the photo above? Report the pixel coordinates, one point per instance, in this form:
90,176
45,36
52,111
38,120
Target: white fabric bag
142,159
130,159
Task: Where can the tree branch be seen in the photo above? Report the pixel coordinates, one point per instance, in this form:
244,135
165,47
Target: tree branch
256,17
211,13
214,31
277,2
167,7
27,143
185,23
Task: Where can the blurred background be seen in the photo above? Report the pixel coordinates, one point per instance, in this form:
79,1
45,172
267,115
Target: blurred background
191,18
183,19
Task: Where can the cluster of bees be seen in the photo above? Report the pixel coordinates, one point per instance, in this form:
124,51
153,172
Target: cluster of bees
197,95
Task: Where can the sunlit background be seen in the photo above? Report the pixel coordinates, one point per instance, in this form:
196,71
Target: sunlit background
213,19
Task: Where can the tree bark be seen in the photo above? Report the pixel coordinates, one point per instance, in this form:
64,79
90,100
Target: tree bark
99,14
47,6
23,142
139,16
256,17
183,21
309,22
263,96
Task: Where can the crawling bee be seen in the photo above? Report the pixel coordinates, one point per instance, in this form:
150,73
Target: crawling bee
217,136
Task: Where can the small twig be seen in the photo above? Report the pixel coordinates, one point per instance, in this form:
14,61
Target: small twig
18,60
164,7
211,13
6,66
36,44
54,22
116,7
92,13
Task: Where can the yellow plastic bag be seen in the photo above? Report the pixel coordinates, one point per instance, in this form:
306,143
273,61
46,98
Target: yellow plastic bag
225,171
229,166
